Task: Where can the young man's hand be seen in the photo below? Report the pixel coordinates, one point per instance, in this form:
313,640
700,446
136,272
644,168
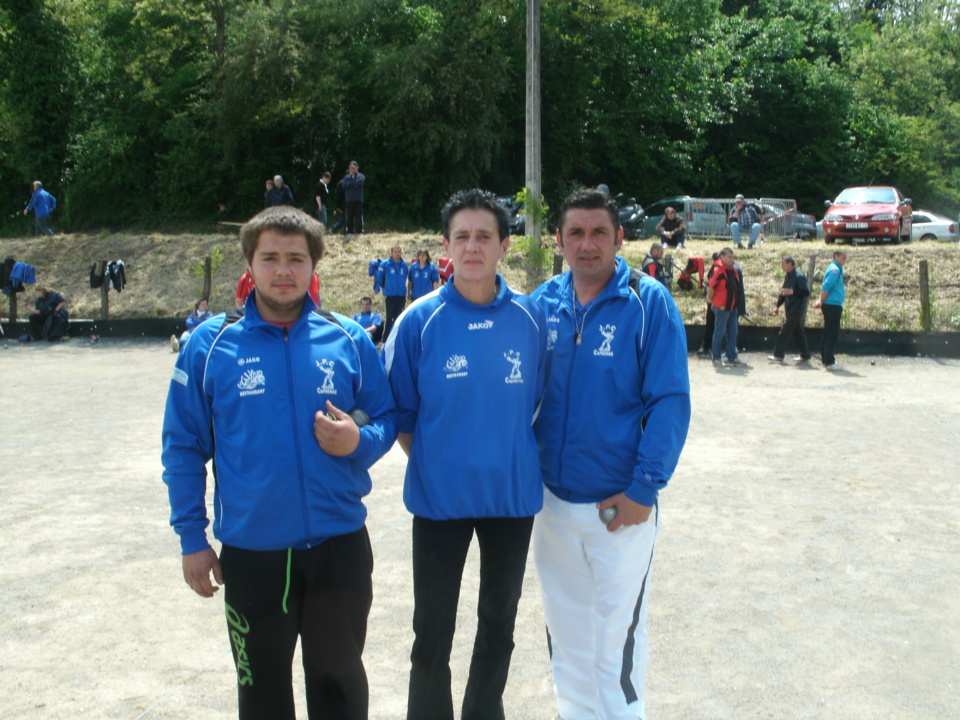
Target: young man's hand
196,572
336,432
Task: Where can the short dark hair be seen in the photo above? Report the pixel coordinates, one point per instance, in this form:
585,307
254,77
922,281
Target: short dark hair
367,298
726,251
285,220
789,259
476,199
327,175
838,253
590,199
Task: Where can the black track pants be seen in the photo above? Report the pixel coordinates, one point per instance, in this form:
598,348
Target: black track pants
321,595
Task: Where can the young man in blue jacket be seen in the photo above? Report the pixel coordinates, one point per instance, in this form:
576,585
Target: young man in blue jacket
466,366
267,399
42,203
610,430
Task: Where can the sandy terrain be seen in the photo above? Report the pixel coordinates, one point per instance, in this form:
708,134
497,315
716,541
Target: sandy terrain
807,566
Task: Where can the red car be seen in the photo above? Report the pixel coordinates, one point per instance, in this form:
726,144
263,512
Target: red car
868,214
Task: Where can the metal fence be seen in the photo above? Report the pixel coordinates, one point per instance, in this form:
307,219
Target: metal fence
709,217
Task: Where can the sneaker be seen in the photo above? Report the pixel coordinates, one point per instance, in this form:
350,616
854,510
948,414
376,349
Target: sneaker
174,343
774,358
732,363
800,359
834,367
717,363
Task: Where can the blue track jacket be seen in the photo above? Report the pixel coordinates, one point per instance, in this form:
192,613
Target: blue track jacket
246,397
467,380
422,279
392,278
616,409
42,203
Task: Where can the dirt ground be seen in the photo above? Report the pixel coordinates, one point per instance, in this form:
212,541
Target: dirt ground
807,565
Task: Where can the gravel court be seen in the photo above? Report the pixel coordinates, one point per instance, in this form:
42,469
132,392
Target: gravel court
806,565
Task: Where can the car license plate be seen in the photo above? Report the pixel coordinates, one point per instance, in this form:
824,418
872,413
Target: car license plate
856,226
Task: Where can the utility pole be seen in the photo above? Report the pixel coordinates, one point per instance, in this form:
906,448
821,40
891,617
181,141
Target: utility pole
533,168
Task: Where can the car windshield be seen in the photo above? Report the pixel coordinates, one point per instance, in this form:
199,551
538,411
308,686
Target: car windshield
863,196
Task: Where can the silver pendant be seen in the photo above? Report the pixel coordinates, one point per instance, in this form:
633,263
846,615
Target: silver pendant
578,338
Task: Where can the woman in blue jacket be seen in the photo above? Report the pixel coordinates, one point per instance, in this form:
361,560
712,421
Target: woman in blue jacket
423,277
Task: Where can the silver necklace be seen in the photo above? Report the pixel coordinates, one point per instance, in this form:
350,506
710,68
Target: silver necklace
578,321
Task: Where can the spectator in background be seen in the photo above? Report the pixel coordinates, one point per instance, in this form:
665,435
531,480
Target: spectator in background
353,183
244,286
672,228
266,193
341,209
369,320
652,264
49,318
723,292
201,313
393,283
793,295
422,277
322,196
830,303
42,203
745,218
710,319
279,194
445,269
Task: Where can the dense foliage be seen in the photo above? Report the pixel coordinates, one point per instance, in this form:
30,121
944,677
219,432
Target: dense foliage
147,111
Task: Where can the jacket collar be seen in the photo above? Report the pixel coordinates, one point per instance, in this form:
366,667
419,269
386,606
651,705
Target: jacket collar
449,293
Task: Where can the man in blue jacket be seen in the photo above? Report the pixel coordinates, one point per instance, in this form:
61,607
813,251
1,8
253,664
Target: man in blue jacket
468,360
613,421
267,399
42,203
830,303
392,280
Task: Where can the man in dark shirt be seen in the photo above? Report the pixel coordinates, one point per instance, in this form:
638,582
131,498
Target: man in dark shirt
793,295
652,264
322,195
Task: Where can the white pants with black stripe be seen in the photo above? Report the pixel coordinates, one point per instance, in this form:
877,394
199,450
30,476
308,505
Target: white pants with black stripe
595,586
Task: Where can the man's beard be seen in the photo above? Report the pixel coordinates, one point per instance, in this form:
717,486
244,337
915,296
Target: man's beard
281,307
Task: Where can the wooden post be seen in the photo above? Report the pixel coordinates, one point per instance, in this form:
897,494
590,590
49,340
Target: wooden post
13,308
924,296
533,168
811,266
207,277
104,289
557,263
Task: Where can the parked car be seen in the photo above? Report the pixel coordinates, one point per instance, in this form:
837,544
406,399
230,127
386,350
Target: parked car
704,217
868,214
930,226
789,223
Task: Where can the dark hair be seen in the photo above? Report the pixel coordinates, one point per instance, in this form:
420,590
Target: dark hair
476,199
726,251
196,305
838,253
789,259
367,298
285,220
425,252
590,199
326,174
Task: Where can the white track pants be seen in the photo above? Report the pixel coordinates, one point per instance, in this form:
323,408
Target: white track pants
595,586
